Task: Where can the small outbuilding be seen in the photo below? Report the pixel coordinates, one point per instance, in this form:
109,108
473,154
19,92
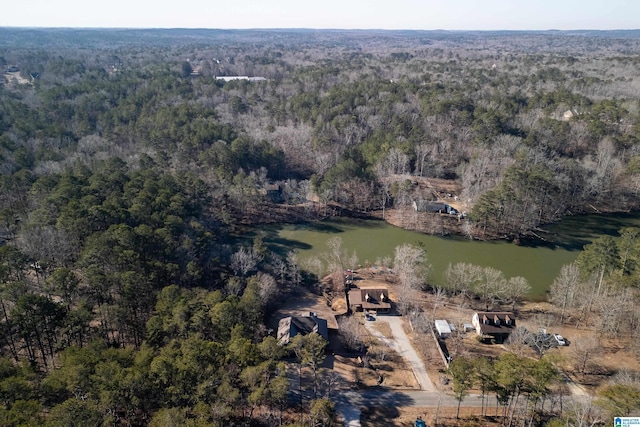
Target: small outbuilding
443,328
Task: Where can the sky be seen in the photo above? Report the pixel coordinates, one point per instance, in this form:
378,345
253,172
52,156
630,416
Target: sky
342,14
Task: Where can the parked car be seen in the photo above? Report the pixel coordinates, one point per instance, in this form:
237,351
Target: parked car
560,339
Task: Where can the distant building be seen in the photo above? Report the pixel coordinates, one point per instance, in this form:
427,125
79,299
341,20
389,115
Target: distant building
230,78
567,115
273,192
291,326
433,207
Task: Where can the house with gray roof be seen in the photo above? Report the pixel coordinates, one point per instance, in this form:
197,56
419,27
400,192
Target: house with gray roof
291,326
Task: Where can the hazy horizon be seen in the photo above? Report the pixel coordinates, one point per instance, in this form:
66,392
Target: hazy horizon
464,15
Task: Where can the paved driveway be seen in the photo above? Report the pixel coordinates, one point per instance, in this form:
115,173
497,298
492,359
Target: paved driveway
402,345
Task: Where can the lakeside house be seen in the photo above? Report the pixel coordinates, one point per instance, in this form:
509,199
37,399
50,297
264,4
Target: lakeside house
273,192
494,324
433,207
376,299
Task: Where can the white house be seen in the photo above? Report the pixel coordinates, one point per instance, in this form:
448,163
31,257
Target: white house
494,324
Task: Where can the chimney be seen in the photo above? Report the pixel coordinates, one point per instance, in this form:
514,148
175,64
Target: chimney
367,297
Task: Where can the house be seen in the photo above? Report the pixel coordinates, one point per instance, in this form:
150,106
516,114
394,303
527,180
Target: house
497,325
369,299
273,192
433,207
291,326
443,328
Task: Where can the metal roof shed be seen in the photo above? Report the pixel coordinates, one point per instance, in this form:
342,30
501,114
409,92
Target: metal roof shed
442,326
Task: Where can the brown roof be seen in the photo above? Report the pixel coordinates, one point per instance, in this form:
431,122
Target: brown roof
272,187
370,299
495,322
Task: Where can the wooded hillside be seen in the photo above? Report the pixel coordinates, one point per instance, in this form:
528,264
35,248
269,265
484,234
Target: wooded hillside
125,163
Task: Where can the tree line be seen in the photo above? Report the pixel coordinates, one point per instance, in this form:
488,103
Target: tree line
530,137
123,179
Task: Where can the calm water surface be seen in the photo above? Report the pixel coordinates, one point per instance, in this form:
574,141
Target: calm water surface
537,261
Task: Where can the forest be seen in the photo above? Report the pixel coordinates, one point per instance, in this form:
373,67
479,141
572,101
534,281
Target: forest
128,166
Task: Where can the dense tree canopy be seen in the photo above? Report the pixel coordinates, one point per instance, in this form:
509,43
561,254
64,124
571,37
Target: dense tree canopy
125,166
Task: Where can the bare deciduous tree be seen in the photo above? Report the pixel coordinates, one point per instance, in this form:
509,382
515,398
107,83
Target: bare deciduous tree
379,351
518,341
268,288
411,269
564,287
279,267
58,247
439,298
583,413
338,260
461,277
245,260
490,286
421,322
515,289
293,268
611,309
352,333
330,381
583,351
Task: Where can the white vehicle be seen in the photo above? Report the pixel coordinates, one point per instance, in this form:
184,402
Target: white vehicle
560,339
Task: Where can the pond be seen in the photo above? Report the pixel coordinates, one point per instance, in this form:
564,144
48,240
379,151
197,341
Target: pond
539,261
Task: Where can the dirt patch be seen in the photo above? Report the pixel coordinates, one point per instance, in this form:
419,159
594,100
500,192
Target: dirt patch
306,303
392,372
401,417
383,328
429,223
16,78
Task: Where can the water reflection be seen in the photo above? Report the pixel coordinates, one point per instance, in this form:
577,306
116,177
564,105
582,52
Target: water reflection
539,261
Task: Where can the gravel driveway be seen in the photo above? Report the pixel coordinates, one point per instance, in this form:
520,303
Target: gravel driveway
402,345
